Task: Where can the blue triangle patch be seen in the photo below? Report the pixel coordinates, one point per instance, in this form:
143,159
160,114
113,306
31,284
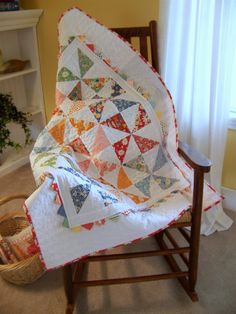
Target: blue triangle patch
163,182
61,211
144,186
122,104
79,193
160,160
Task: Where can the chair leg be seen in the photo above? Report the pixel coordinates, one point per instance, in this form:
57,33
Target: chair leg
68,287
193,259
195,229
184,281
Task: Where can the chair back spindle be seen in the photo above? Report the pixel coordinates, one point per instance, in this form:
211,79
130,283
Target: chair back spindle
143,34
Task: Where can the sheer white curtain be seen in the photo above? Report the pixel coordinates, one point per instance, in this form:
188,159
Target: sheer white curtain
197,40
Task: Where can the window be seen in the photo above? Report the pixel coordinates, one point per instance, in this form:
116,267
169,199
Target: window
232,119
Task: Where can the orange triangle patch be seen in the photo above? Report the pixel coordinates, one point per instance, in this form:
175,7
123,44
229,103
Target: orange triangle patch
81,125
57,131
137,199
123,180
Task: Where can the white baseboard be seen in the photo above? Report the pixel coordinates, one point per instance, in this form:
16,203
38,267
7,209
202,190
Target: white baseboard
230,198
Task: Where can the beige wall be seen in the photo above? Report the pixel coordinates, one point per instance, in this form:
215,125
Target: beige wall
229,170
112,13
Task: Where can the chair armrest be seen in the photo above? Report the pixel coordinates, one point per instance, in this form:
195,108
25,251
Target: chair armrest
194,158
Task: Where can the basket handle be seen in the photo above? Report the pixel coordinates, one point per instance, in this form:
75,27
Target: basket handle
9,198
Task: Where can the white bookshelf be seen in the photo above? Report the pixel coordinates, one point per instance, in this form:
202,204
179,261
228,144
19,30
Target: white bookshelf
18,40
4,77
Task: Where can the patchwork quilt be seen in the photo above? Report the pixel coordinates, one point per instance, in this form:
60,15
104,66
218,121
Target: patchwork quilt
106,165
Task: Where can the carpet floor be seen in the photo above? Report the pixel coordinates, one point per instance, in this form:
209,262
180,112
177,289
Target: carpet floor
216,281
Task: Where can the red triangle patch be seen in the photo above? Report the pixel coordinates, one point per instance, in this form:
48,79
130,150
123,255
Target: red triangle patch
144,144
117,122
88,226
121,146
142,119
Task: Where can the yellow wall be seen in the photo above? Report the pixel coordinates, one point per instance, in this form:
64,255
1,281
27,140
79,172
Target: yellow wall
229,170
112,13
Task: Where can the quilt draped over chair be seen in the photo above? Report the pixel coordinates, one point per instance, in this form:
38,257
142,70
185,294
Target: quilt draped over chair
106,165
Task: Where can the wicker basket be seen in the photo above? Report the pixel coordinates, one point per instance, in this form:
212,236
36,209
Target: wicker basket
27,270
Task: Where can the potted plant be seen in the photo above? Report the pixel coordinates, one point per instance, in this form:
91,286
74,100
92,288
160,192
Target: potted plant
9,113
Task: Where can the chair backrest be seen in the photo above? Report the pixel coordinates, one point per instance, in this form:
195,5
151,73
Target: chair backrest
143,33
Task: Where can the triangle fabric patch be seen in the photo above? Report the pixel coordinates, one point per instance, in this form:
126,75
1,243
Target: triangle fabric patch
81,126
84,63
142,119
117,90
100,142
84,165
96,84
79,193
61,211
88,226
91,46
76,106
144,186
123,104
163,182
123,180
65,75
57,131
137,163
117,122
76,93
79,147
59,97
135,198
104,166
160,160
97,110
121,147
144,144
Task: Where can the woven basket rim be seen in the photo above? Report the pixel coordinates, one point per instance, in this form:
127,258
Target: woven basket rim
14,214
22,263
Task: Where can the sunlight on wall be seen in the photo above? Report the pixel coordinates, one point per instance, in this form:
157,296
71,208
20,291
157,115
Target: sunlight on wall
229,170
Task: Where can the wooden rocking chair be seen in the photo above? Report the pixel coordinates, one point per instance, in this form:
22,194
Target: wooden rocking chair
192,218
